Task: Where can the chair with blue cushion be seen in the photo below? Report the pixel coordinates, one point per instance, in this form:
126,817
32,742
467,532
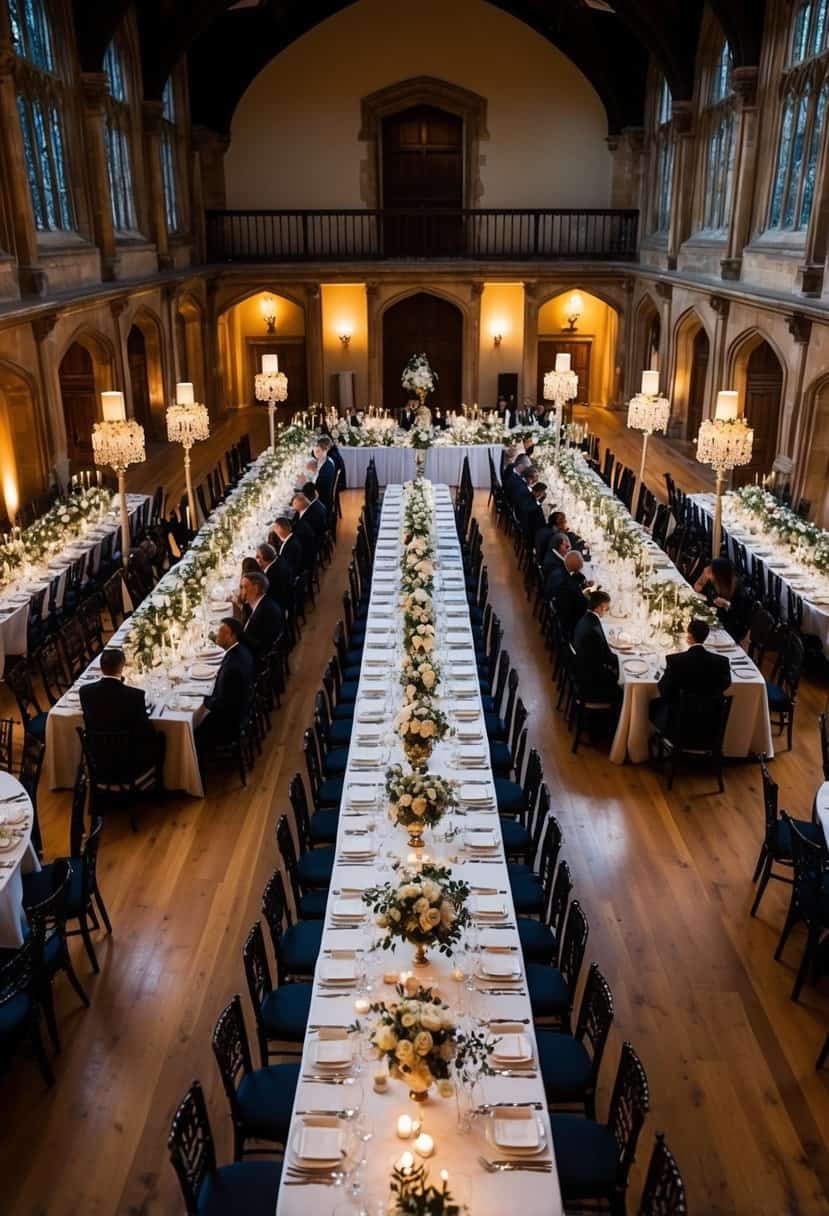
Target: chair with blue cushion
339,707
309,903
355,629
281,1013
350,660
326,792
47,918
594,1159
504,755
246,1188
296,946
31,766
528,891
333,758
496,727
553,989
261,1099
33,716
540,939
335,732
19,1008
782,688
570,1063
516,801
312,830
777,843
664,1191
809,902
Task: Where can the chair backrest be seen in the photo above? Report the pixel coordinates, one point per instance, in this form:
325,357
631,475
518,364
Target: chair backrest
770,792
48,917
232,1050
31,765
77,821
19,679
89,859
73,644
16,975
191,1147
809,872
53,674
111,758
562,888
299,803
285,845
313,764
595,1015
275,910
701,722
664,1190
573,946
114,596
538,824
629,1105
824,746
257,972
789,667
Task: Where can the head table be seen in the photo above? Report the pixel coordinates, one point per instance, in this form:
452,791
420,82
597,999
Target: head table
637,627
443,463
460,1125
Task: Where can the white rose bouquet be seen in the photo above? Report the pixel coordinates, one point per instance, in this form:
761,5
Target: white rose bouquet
418,799
420,725
420,675
418,1037
419,377
426,908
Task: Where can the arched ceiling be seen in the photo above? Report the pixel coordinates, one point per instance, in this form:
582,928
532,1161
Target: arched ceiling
228,42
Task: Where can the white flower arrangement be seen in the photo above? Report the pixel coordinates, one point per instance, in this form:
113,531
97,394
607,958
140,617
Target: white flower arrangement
418,799
419,377
427,908
420,721
787,526
417,1036
419,675
54,530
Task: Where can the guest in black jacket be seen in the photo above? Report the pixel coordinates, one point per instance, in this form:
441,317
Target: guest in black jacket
406,417
532,513
304,530
336,456
695,670
288,548
262,620
111,706
226,709
267,563
568,594
596,667
317,510
552,568
723,588
326,472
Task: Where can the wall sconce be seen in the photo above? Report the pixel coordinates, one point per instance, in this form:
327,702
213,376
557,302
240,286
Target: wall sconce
497,339
575,307
497,330
268,306
345,337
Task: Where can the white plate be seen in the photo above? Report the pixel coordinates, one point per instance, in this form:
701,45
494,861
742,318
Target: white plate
635,667
499,967
202,671
339,971
512,1047
319,1139
518,1130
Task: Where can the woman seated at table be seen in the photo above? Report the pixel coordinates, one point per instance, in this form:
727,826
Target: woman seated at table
723,588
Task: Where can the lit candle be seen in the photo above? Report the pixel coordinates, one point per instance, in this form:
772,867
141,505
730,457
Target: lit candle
362,1005
424,1145
381,1081
390,977
406,1163
184,393
727,406
650,384
113,407
562,363
405,1128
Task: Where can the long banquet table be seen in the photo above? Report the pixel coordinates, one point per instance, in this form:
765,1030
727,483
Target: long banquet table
17,857
456,1151
443,463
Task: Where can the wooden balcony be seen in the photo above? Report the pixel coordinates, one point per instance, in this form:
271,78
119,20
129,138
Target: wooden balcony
364,235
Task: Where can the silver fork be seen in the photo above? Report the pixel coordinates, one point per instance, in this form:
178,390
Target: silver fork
505,1167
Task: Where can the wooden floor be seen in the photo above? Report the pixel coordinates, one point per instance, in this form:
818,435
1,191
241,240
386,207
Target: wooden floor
664,879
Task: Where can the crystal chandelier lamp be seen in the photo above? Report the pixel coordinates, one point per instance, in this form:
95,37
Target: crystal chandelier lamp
559,386
187,423
271,385
118,442
725,442
648,413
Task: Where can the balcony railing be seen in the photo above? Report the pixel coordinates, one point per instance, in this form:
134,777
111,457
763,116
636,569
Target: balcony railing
361,235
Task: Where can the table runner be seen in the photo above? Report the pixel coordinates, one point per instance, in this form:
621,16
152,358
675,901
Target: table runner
456,1152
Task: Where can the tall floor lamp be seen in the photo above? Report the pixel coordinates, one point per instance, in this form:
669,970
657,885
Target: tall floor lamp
725,442
187,423
118,442
648,412
559,386
271,385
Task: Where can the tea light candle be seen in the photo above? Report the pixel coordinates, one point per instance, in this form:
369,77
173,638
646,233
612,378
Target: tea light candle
362,1005
390,977
403,976
381,1081
458,974
424,1145
406,1163
405,1129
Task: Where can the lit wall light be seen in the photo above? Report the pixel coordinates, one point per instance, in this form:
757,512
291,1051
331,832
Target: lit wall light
575,308
268,307
345,336
10,494
497,332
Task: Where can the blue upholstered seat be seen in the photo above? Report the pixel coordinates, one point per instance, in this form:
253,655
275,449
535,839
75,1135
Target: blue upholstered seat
538,941
246,1188
324,827
778,699
500,757
285,1012
344,712
509,796
13,1015
517,839
586,1156
315,867
549,996
495,726
312,905
37,726
527,893
330,793
565,1064
335,761
339,734
266,1098
348,691
300,946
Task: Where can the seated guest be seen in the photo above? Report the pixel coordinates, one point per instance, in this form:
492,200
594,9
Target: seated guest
226,710
304,531
110,705
288,548
526,415
262,621
515,484
596,667
317,510
267,563
722,587
559,520
249,565
552,568
406,417
311,468
568,594
543,416
695,670
508,456
326,472
505,414
531,514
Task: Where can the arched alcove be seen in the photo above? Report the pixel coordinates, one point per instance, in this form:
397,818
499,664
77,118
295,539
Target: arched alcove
21,472
816,479
757,373
189,324
648,339
85,371
591,344
145,369
261,322
423,321
691,375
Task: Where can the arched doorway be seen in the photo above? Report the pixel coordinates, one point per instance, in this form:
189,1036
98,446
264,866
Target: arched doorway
649,335
591,345
697,381
759,377
423,322
190,344
20,453
422,174
80,403
146,373
139,378
816,485
262,323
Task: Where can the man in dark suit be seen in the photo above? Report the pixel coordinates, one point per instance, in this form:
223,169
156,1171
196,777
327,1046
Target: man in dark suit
317,511
559,521
288,548
531,514
226,709
406,418
267,561
514,483
262,620
568,594
304,531
695,670
596,667
111,706
326,472
552,568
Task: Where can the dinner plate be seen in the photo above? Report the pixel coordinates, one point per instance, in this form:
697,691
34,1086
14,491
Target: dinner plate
499,967
635,667
8,843
742,673
512,1046
319,1140
202,671
517,1130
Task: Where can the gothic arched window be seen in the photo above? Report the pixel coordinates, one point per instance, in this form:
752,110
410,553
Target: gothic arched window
717,123
663,159
117,133
169,139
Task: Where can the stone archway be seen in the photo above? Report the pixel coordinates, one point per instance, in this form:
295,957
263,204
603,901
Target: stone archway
816,472
422,91
189,327
424,321
692,375
85,371
21,461
145,373
758,375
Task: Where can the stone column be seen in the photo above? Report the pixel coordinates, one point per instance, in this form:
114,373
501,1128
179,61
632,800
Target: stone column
679,228
720,306
472,352
794,433
94,91
625,384
817,234
50,423
744,83
14,181
313,343
216,407
626,181
375,346
529,362
152,113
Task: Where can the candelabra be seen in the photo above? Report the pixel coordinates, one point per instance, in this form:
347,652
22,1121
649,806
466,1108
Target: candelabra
271,386
648,412
187,423
725,442
118,441
559,386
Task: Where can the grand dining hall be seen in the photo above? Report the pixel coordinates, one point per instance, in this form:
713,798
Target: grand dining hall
414,608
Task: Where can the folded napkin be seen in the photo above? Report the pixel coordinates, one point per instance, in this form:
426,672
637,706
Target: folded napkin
320,1141
515,1128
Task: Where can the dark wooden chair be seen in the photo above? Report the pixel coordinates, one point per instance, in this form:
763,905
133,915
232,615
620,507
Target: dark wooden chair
698,732
664,1190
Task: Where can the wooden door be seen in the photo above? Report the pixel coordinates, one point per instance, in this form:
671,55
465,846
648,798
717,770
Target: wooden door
764,389
139,380
291,354
422,173
80,407
579,353
696,385
423,322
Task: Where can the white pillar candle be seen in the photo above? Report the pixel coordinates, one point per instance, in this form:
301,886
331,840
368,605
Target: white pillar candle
728,403
650,384
424,1145
404,1127
184,393
562,363
113,407
270,365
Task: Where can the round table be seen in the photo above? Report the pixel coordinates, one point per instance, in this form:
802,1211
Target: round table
16,861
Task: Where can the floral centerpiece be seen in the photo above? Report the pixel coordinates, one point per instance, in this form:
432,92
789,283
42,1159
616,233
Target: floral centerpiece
414,1195
419,675
420,725
427,908
787,527
417,800
54,530
419,377
417,1036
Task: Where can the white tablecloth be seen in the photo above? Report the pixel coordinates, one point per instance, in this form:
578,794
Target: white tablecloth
443,464
822,808
15,597
14,863
394,465
455,1152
